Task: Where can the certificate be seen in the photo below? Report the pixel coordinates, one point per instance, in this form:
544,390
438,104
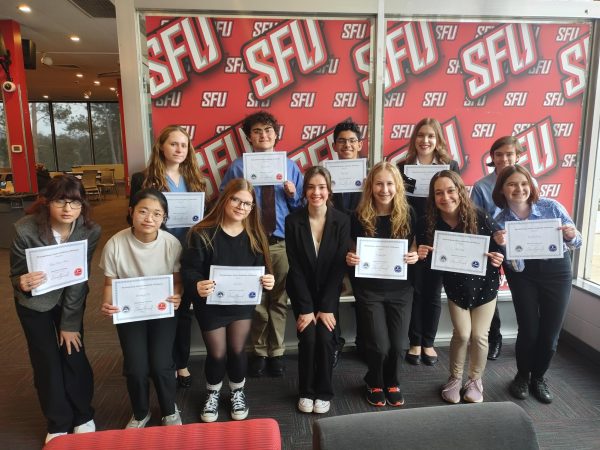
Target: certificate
423,174
459,252
185,208
347,175
381,258
236,285
142,298
265,168
534,239
63,264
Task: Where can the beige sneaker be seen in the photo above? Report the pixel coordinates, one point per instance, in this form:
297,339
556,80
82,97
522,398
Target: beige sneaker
451,390
473,391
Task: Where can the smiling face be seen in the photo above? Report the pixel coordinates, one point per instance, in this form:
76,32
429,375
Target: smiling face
446,195
175,148
516,189
147,217
425,143
504,156
62,212
262,137
316,191
239,206
384,190
347,145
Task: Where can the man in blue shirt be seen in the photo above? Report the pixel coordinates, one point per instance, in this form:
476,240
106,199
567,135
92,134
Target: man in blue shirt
275,203
504,152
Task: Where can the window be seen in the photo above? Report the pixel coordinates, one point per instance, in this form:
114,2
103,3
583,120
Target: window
4,161
72,131
106,133
41,129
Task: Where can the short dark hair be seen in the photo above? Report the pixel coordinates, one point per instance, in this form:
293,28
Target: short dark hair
501,142
348,125
154,194
260,117
507,172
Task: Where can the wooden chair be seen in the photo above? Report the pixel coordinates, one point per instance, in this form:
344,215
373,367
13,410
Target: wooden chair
107,181
88,180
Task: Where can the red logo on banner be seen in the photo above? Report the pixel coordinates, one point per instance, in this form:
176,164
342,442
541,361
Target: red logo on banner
78,271
572,63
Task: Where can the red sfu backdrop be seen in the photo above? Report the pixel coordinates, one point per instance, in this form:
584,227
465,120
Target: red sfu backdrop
481,80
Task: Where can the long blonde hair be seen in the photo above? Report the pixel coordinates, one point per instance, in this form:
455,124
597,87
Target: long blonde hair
441,148
155,175
366,212
252,224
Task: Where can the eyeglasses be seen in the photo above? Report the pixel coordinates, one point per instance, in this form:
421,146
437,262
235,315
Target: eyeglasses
156,216
74,204
342,141
259,131
239,202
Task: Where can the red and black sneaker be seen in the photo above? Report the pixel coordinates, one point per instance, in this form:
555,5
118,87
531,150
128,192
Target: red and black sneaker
375,396
394,396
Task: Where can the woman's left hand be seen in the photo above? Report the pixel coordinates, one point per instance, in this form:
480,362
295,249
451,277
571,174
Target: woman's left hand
496,258
267,281
31,280
328,319
175,299
411,257
304,320
569,232
70,338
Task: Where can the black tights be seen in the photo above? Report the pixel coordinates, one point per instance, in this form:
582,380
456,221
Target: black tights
225,352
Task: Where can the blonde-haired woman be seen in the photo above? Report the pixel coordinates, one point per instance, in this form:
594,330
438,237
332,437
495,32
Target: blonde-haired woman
383,305
173,168
230,235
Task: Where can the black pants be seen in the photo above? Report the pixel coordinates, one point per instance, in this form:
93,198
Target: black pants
426,306
64,383
315,361
495,336
183,336
384,316
541,296
148,352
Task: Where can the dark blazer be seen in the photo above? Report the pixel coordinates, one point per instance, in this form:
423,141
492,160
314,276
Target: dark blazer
314,282
338,201
71,298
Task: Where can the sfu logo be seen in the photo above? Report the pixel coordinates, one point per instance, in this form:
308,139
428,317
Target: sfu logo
572,63
483,60
193,38
410,47
540,148
268,56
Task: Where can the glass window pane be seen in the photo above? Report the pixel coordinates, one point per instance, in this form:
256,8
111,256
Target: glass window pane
106,132
73,144
42,134
4,161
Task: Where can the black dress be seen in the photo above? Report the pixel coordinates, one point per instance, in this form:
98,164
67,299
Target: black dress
197,258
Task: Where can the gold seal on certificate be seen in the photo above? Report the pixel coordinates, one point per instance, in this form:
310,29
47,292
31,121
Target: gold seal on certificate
381,258
423,174
236,285
347,175
142,298
186,209
534,239
265,168
459,252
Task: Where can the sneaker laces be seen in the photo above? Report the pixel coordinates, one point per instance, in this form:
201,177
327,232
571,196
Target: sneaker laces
238,400
393,389
472,383
542,387
212,401
373,390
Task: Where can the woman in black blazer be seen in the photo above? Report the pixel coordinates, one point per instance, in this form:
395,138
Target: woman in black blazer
316,239
427,146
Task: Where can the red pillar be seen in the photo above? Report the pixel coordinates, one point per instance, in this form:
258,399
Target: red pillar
16,105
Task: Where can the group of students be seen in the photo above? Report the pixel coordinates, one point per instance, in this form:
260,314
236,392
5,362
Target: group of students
307,245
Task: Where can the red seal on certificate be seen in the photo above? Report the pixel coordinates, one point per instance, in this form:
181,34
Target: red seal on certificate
279,176
78,271
162,306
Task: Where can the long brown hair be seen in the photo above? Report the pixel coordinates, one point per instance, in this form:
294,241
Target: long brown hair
466,209
441,148
366,212
252,224
314,171
155,175
61,187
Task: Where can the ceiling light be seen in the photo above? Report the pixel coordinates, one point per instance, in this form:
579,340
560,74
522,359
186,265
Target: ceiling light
87,94
74,38
113,88
46,60
79,75
24,8
45,96
97,83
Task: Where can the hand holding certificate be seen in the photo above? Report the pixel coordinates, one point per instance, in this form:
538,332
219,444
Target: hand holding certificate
265,168
185,208
423,175
381,258
458,252
236,285
347,175
142,298
534,239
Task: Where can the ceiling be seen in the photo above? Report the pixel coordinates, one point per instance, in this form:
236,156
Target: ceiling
96,55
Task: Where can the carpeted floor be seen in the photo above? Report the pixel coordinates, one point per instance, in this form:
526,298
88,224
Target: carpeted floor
571,422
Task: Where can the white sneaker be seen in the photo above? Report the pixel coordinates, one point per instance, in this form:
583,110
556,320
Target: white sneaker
51,436
133,423
210,412
306,405
321,406
88,427
172,419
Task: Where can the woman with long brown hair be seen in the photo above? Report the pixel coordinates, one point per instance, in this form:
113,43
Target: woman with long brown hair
230,235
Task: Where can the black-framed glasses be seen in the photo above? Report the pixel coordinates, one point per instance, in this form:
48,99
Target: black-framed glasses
239,202
342,141
61,203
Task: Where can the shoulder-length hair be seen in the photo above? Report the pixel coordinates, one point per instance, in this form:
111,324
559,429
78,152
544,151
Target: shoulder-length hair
154,194
467,214
441,148
155,175
61,187
252,224
507,172
313,172
367,213
501,142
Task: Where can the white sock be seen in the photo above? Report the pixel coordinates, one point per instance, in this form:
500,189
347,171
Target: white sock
214,387
234,386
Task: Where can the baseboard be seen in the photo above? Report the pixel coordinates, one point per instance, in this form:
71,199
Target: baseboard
590,353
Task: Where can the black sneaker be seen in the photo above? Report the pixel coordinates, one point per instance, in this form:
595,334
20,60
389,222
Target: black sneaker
375,396
394,396
258,366
519,387
276,366
210,412
540,390
239,408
